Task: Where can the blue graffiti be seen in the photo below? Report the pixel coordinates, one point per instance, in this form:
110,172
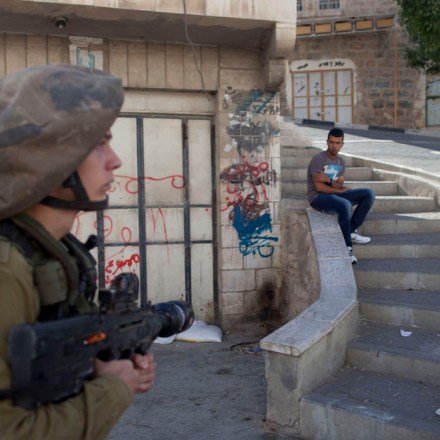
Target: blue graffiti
252,233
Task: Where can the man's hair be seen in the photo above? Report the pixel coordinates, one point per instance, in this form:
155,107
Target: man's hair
336,132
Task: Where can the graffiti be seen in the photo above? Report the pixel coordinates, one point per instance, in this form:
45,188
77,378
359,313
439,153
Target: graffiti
254,121
229,93
131,184
246,188
251,231
235,175
252,127
115,266
332,64
127,258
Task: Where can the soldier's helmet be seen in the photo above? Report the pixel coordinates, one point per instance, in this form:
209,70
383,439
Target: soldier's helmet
51,118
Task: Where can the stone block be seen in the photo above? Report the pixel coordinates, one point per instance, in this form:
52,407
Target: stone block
238,280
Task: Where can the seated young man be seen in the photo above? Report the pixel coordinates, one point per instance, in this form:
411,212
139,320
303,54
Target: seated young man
326,191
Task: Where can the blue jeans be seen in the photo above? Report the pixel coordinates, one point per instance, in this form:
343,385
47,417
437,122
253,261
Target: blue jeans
342,204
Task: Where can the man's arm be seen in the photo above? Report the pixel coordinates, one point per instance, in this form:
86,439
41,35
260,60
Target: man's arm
322,182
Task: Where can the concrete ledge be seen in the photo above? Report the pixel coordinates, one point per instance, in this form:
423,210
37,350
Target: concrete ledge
310,348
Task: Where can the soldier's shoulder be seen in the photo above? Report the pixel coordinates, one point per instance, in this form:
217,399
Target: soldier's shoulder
10,254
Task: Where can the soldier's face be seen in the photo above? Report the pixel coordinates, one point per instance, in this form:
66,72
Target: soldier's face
96,171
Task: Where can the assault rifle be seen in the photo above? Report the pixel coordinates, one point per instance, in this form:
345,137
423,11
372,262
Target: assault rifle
51,360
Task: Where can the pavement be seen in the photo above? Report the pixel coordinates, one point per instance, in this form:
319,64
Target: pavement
217,390
204,391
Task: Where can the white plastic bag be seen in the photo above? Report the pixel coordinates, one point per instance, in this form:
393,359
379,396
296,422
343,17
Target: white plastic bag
201,332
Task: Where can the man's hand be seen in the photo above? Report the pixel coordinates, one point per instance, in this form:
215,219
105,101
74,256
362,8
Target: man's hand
339,183
321,184
138,373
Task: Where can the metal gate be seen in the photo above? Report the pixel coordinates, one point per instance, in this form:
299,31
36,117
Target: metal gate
160,222
325,95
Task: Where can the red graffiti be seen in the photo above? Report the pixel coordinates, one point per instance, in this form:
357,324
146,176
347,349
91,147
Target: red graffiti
247,183
116,262
115,266
131,186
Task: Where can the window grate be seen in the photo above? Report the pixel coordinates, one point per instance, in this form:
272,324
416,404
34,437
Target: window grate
299,5
329,4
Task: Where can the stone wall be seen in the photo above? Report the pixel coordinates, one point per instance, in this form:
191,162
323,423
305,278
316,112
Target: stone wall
249,157
349,8
386,91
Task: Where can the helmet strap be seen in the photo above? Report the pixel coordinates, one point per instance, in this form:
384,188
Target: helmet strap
81,202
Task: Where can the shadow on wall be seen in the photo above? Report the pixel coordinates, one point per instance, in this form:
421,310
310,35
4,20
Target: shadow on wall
300,275
268,304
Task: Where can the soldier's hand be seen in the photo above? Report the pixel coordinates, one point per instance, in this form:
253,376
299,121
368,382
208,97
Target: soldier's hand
146,367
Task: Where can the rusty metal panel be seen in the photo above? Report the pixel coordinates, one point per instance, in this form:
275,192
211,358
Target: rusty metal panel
201,223
202,280
200,171
125,187
166,272
164,224
164,180
121,225
160,221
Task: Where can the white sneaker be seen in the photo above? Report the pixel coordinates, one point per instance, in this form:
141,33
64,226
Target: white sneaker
351,256
359,239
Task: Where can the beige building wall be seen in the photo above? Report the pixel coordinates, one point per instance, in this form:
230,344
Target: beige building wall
247,156
349,8
365,38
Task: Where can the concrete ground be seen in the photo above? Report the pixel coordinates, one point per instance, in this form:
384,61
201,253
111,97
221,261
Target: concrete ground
204,391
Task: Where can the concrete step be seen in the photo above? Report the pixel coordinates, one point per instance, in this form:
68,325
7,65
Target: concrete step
398,273
408,245
297,202
415,308
359,405
406,204
401,223
290,171
381,188
385,349
295,187
290,151
297,174
358,173
306,153
294,162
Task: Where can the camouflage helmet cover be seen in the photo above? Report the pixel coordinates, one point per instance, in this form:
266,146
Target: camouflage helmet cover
51,118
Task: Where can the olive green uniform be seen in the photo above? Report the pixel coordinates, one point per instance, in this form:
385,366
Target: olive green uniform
89,415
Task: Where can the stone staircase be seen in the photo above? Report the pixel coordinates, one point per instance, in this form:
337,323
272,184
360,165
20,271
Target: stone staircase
390,386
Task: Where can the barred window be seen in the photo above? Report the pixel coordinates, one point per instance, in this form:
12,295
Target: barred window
329,4
299,5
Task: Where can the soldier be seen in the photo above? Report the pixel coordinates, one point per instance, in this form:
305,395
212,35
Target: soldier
55,160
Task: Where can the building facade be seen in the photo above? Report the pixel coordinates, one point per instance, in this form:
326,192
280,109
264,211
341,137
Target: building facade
194,210
349,66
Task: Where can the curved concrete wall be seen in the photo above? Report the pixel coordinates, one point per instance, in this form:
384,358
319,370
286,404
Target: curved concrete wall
311,347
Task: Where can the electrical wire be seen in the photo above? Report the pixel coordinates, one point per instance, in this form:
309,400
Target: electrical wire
193,49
